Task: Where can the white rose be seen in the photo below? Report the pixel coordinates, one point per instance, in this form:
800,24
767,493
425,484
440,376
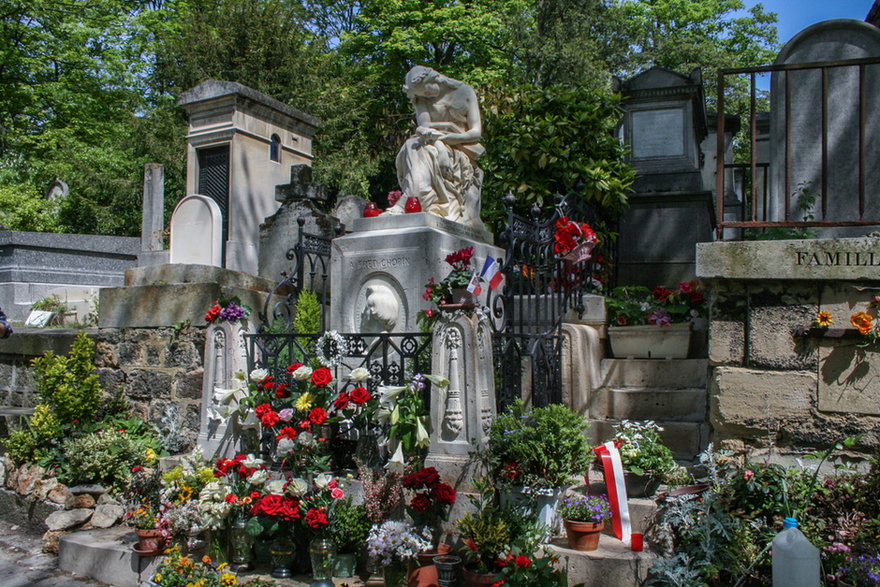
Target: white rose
303,373
322,480
297,487
252,462
285,447
258,477
359,375
258,375
276,486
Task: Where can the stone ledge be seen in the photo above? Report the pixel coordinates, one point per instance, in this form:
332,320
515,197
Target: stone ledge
613,564
30,514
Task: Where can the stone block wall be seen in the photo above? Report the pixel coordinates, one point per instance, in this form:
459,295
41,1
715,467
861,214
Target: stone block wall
773,391
158,369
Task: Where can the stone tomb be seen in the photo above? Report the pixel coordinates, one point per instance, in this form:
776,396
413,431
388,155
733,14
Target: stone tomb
379,271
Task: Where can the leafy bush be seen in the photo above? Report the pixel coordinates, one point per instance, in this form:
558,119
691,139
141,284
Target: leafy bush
538,448
69,385
20,446
308,313
350,526
105,457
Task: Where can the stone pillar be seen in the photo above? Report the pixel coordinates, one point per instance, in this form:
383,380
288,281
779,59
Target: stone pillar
462,413
153,222
225,355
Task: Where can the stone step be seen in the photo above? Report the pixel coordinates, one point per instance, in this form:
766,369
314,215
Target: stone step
658,373
106,556
11,419
633,403
613,564
685,439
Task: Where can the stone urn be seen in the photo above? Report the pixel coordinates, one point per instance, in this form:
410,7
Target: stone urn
583,536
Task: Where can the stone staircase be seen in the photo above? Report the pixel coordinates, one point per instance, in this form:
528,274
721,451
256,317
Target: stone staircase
672,392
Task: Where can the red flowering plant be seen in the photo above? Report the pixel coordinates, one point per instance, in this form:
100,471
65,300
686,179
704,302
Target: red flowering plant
276,510
573,240
319,502
521,570
633,305
245,476
429,498
227,310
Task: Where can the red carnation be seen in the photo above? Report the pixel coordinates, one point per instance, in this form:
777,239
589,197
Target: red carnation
322,376
270,418
213,313
318,416
262,409
230,498
282,391
286,432
316,518
360,395
445,494
294,367
523,561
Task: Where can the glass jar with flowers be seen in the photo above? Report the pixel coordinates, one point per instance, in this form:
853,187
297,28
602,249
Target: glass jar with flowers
653,323
584,518
392,545
429,501
275,512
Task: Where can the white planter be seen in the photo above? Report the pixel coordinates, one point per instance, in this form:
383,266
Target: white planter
650,342
540,503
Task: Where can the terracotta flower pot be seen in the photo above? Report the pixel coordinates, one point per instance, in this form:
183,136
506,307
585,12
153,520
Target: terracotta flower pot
583,535
150,542
472,579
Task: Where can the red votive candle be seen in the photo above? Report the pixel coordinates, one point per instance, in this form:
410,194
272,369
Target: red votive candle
636,543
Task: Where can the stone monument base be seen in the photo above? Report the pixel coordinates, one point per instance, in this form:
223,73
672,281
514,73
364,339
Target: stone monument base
390,259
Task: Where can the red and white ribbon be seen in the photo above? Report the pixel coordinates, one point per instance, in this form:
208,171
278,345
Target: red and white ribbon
612,467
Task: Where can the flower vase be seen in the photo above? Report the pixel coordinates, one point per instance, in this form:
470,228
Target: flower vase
395,574
283,552
640,485
583,536
425,575
344,565
240,542
322,552
218,545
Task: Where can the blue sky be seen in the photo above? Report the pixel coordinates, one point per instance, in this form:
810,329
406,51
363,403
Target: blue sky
795,15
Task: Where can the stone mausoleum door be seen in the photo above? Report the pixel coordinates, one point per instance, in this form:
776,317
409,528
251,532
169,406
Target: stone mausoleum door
214,183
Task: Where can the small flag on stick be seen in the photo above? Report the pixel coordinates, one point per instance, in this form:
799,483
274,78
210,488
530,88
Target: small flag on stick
492,273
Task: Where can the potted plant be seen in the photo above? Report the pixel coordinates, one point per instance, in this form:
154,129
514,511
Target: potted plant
584,518
392,545
646,460
534,453
349,529
178,570
151,540
653,323
452,290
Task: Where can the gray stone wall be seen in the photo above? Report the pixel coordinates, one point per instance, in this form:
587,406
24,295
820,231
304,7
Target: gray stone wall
158,369
774,391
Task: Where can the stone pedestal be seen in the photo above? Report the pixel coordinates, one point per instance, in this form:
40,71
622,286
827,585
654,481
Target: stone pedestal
462,413
391,258
225,355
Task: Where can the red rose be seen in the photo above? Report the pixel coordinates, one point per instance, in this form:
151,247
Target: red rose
322,376
282,391
360,395
318,416
445,494
523,561
230,498
262,409
661,293
341,402
427,476
270,418
421,503
294,367
255,495
316,518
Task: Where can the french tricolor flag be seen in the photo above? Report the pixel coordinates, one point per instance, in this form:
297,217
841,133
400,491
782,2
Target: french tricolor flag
492,273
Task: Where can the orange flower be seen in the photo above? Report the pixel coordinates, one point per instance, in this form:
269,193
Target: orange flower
862,321
823,319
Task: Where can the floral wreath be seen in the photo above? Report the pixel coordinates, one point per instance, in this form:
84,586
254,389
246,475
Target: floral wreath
335,346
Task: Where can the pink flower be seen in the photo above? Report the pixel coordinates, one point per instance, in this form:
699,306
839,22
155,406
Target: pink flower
286,415
659,318
337,493
748,475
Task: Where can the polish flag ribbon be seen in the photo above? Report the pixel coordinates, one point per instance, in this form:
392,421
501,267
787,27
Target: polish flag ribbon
612,468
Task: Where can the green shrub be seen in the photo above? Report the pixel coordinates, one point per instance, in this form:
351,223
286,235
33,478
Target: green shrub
20,446
105,457
69,385
350,526
44,425
308,313
539,448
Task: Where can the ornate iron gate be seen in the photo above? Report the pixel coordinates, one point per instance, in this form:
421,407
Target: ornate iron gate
539,289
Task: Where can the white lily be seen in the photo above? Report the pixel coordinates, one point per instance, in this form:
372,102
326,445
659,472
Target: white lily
422,437
382,416
437,380
396,463
388,395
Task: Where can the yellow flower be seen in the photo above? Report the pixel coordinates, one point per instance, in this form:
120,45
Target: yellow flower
158,578
862,321
304,402
151,456
228,580
184,494
823,319
222,566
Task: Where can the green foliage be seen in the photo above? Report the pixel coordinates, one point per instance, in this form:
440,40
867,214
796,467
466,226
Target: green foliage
105,457
350,526
20,445
23,208
643,452
69,385
308,313
44,424
50,304
544,141
540,448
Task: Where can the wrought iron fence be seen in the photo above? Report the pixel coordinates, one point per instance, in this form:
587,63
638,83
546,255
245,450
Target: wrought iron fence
539,289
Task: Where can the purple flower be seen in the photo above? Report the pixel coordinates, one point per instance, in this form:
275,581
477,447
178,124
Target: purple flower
286,415
659,318
232,312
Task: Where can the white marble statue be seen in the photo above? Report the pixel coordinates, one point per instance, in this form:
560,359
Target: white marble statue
438,163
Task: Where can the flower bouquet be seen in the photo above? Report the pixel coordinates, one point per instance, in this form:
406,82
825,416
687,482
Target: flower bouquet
430,499
392,545
177,570
227,310
452,289
573,241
